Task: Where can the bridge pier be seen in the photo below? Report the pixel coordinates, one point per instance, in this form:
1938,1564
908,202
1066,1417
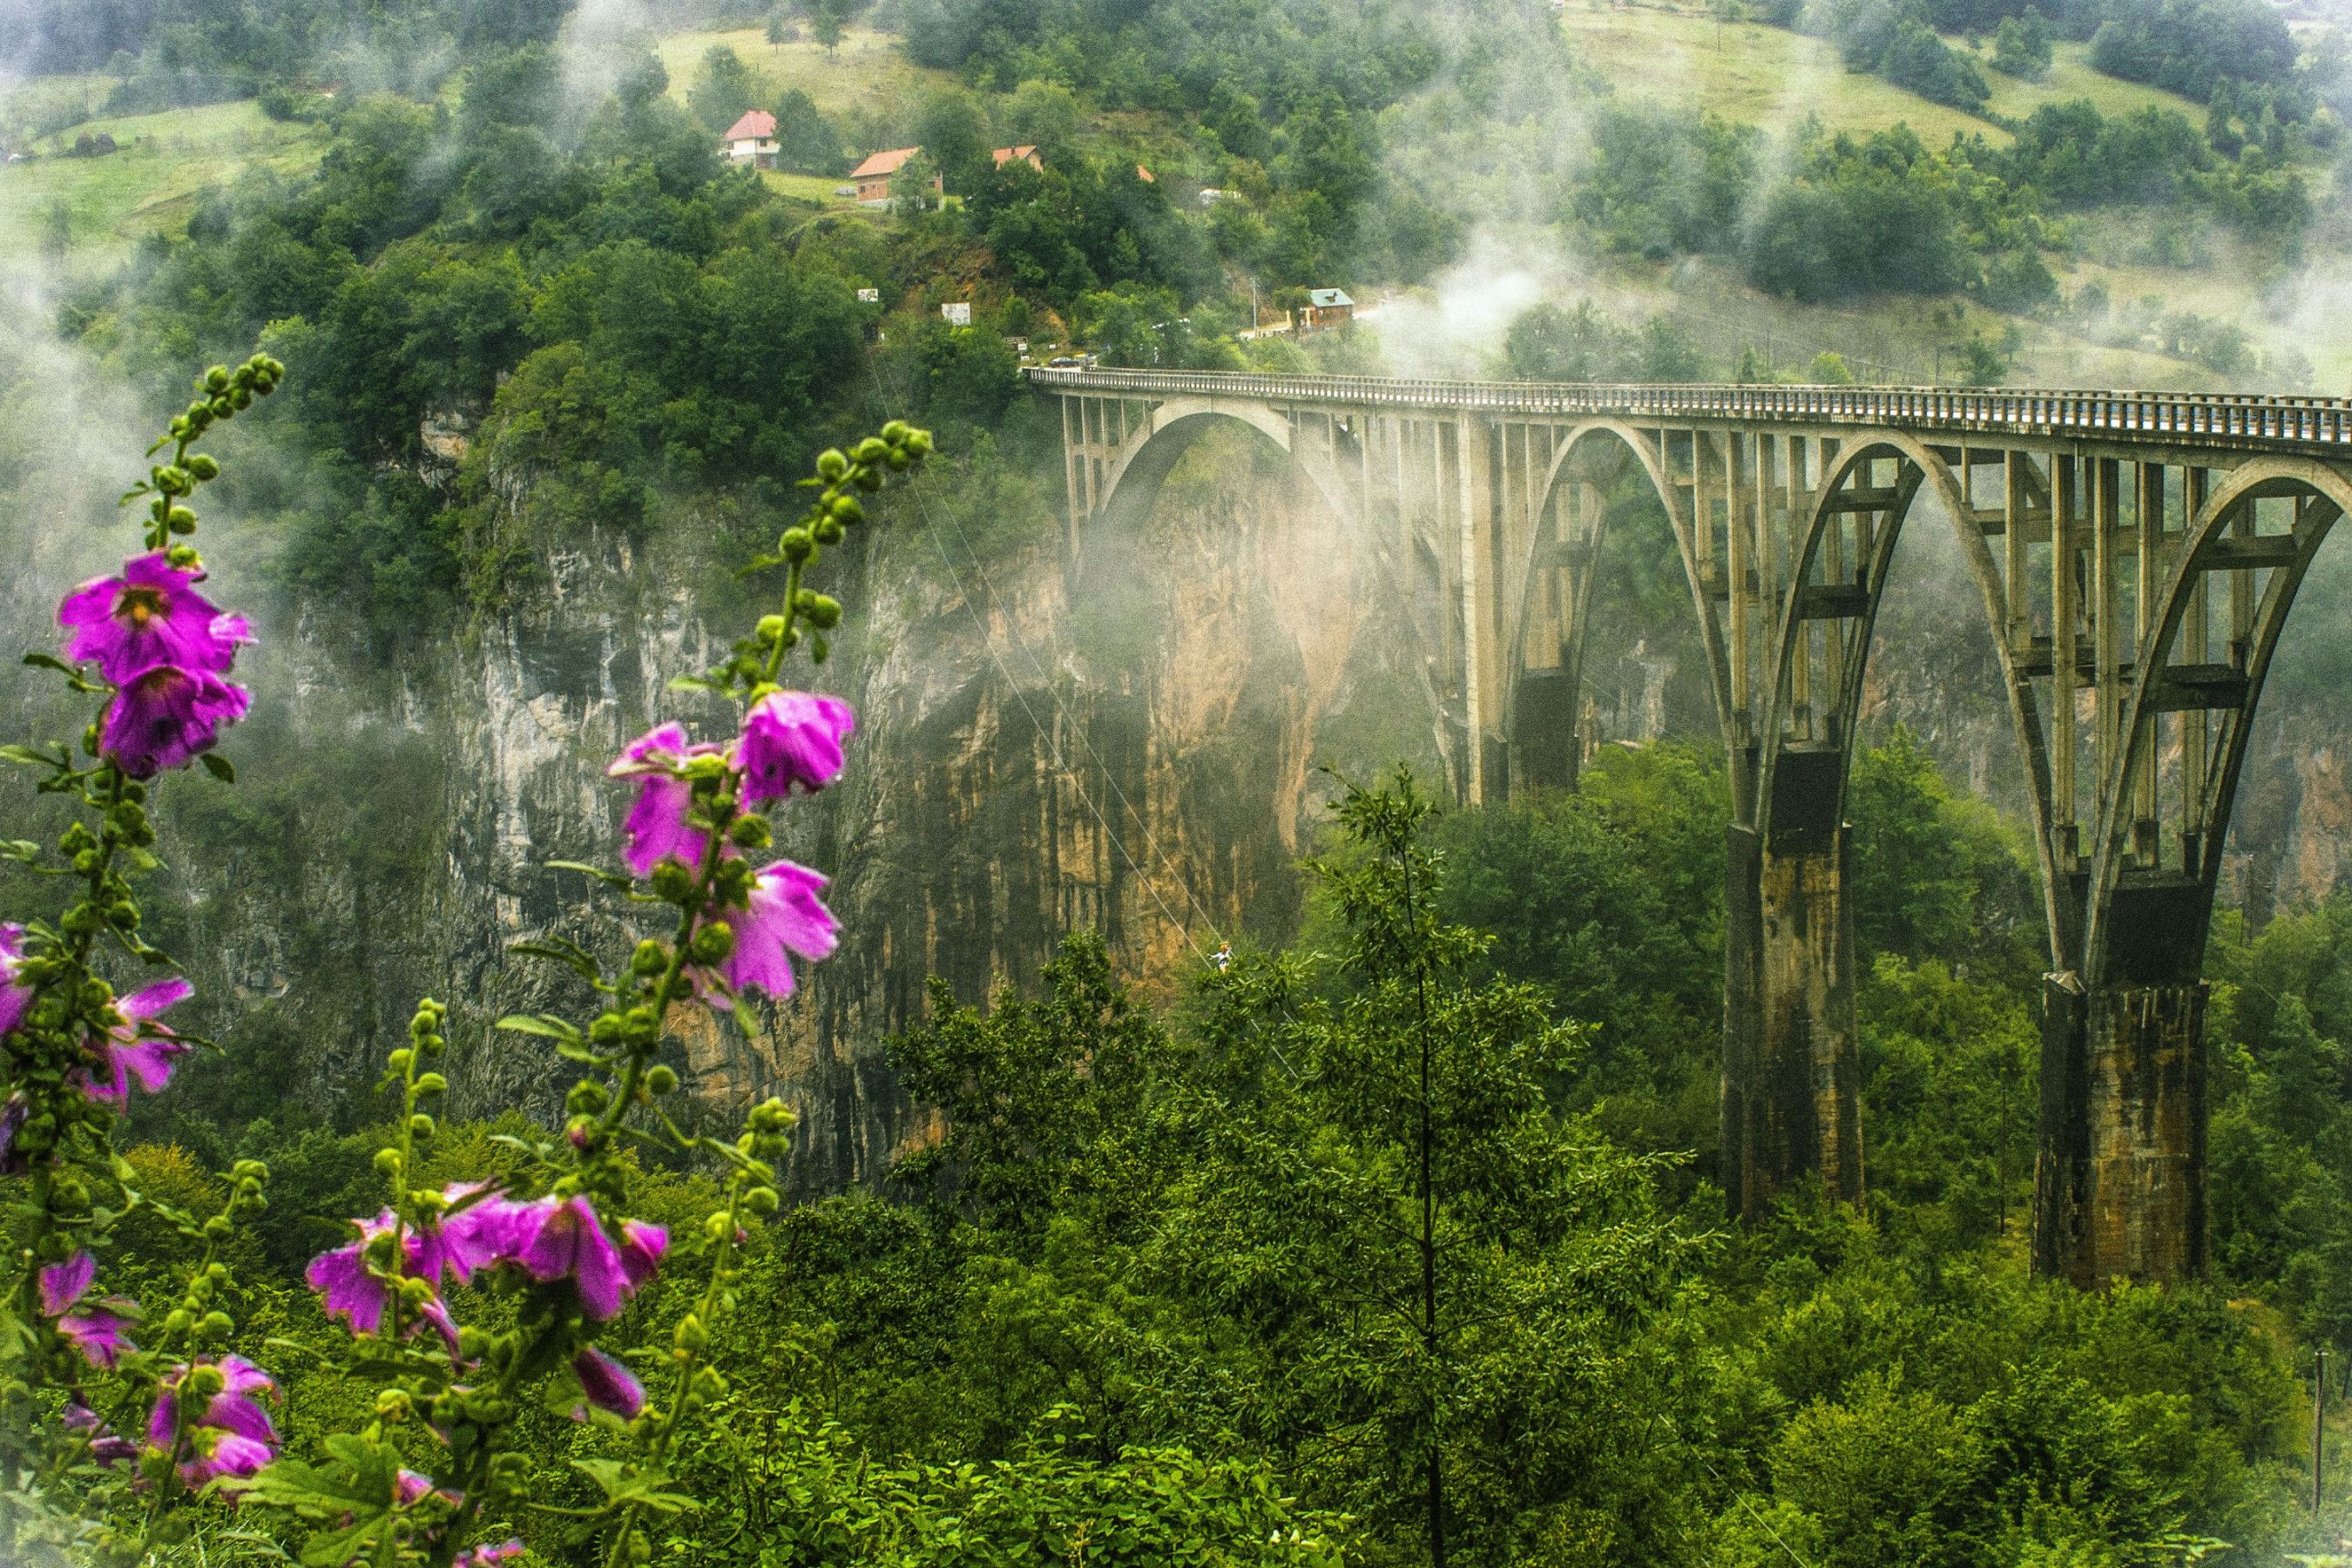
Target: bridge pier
1791,1103
2120,1184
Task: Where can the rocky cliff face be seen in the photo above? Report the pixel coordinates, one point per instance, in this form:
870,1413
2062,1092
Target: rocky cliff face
1121,734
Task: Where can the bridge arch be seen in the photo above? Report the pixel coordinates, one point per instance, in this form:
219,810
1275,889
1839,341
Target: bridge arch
2134,876
1576,446
1144,455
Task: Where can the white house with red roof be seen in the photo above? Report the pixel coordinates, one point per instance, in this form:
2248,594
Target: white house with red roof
753,140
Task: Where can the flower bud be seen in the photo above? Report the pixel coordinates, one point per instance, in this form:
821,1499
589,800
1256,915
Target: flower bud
650,958
204,465
184,556
713,942
770,629
827,531
690,1335
398,1060
420,1126
218,1227
871,450
832,463
848,509
387,1161
796,544
896,431
202,1382
672,882
216,379
586,1097
660,1079
825,612
898,459
918,442
761,1200
215,1326
415,1292
180,520
392,1403
432,1083
750,833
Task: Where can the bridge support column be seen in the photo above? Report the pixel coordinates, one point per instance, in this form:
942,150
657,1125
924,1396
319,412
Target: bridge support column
1792,1053
2120,1180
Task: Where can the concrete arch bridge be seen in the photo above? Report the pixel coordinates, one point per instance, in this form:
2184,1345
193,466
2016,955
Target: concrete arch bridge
2134,555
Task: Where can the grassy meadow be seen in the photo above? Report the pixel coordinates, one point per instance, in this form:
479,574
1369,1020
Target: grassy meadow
1774,78
161,165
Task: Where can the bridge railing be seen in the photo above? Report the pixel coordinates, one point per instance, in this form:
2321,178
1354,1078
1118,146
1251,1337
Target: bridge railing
2184,417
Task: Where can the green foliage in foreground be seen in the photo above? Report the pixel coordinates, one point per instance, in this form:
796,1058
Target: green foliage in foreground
1163,1288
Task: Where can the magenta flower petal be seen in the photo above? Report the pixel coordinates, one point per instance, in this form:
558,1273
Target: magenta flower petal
138,1047
489,1556
569,1244
792,737
784,917
97,1334
163,716
476,1233
608,1385
350,1292
149,1001
16,995
104,1445
642,1247
150,615
63,1284
226,1454
241,1376
657,829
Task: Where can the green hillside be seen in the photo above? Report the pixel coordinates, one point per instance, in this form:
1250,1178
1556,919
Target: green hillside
1774,77
148,184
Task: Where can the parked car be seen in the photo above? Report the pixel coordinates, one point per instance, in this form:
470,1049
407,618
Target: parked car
1061,362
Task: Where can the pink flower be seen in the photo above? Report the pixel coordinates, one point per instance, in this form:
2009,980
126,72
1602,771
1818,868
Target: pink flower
104,1445
642,1247
477,1229
792,737
658,826
163,716
230,1436
356,1293
96,1330
565,1242
488,1556
150,615
784,917
607,1384
16,995
138,1047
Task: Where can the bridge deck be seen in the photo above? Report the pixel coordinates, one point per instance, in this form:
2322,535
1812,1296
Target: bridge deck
2227,421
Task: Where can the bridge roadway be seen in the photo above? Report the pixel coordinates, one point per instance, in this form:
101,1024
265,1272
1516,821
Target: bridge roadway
2135,554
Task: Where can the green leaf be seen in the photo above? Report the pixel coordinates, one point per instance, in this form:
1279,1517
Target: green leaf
563,950
544,1024
25,756
220,767
612,879
50,661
